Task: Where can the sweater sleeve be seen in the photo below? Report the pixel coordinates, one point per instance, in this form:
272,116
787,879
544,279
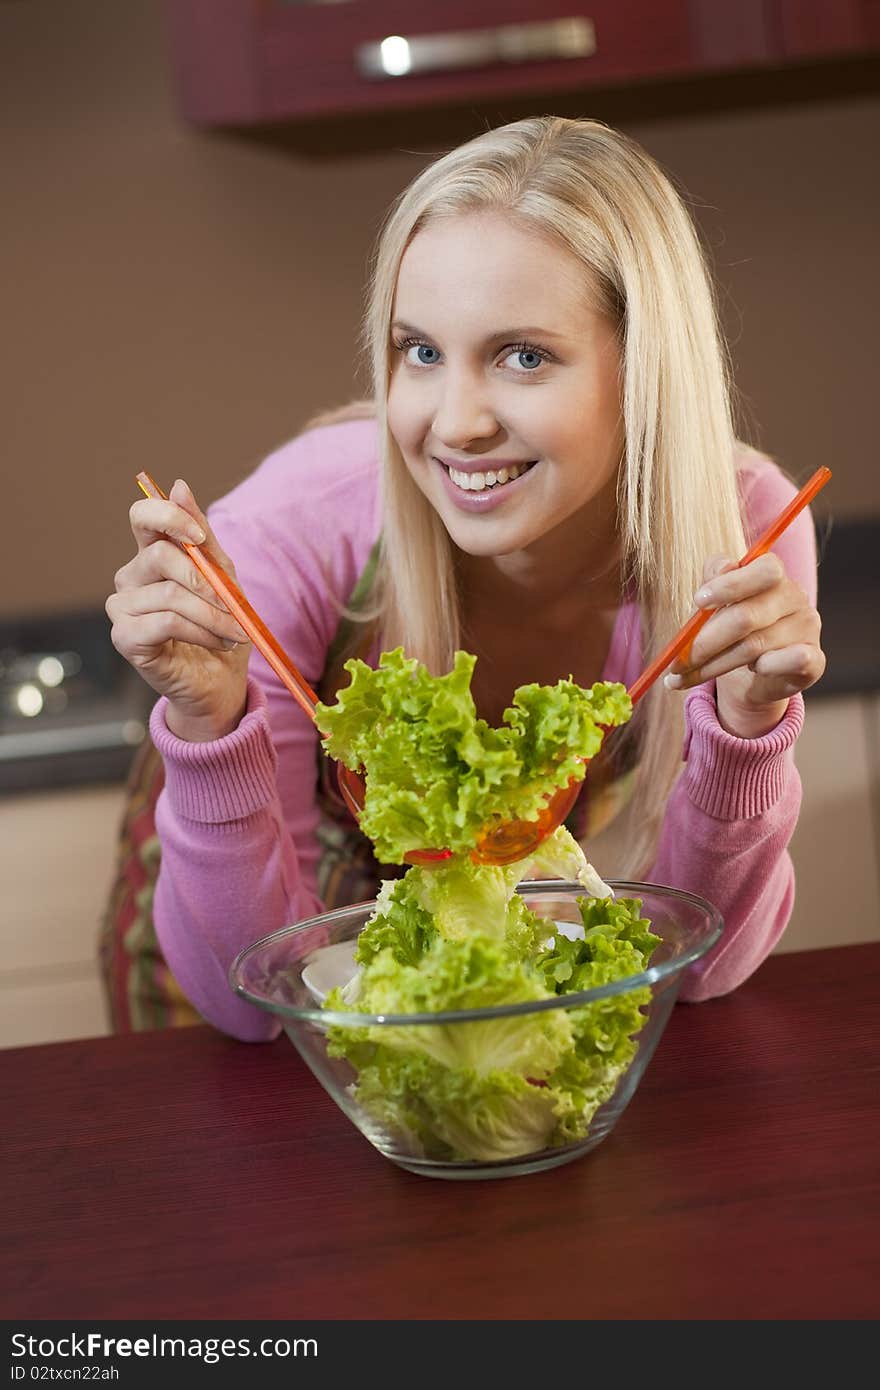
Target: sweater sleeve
238,817
733,810
229,871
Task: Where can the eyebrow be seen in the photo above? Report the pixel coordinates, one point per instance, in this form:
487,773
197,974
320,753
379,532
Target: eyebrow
530,332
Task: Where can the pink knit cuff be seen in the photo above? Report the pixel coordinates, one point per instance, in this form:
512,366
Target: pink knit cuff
226,780
736,778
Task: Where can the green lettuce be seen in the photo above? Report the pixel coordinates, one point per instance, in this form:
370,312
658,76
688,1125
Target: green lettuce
449,1114
479,973
617,941
491,1088
458,936
458,898
436,774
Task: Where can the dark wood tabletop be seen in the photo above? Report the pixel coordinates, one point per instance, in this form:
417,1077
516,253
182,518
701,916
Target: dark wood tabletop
180,1174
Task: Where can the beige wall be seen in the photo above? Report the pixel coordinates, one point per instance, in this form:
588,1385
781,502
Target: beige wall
181,301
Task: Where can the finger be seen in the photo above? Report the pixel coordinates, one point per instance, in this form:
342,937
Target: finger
171,597
741,582
717,564
165,560
737,622
795,667
182,494
153,517
141,637
178,517
791,670
792,630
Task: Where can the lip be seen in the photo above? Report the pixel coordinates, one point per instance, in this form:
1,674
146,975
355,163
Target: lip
481,501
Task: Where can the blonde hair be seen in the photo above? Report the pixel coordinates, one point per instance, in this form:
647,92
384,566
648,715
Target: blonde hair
602,198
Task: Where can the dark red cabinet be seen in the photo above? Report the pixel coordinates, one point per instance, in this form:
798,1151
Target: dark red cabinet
241,62
826,28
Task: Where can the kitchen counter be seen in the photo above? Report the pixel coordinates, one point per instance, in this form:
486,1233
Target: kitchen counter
181,1174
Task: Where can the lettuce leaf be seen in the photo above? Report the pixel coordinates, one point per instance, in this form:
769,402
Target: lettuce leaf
560,856
450,1114
458,899
399,924
436,774
493,1088
479,973
617,942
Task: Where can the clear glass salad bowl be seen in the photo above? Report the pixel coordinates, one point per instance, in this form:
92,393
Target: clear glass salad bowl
290,972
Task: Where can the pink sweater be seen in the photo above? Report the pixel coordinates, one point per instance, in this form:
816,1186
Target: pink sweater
237,818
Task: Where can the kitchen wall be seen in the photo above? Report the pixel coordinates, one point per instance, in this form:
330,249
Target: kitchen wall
182,301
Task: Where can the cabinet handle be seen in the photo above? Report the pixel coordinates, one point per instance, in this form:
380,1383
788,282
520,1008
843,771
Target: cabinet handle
397,56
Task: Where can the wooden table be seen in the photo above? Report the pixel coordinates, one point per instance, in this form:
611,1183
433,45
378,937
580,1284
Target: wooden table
180,1174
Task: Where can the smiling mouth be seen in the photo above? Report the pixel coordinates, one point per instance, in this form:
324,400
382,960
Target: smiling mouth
487,481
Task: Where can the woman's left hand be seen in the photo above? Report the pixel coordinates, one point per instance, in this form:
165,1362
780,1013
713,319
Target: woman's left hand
762,646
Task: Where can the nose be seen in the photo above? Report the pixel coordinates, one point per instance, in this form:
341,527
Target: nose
464,412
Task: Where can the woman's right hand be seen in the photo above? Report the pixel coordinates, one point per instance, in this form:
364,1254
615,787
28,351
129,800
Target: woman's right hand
171,626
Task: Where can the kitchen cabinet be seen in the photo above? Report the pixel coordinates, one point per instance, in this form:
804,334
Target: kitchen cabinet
245,62
57,862
836,844
825,28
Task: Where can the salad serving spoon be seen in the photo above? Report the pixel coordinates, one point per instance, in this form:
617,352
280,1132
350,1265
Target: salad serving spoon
511,840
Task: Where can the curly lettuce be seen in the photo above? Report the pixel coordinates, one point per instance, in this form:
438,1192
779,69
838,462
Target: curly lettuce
436,774
490,1088
457,936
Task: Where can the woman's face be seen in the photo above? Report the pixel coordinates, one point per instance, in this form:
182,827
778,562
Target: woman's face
500,364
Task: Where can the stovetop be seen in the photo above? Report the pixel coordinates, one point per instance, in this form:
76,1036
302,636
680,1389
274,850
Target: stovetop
71,709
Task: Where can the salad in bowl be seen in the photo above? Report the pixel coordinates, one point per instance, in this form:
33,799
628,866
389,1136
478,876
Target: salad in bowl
477,1020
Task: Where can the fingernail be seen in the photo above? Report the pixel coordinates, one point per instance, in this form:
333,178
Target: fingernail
196,535
228,643
673,682
702,598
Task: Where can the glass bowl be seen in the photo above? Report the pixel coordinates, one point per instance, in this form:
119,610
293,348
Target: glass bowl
290,972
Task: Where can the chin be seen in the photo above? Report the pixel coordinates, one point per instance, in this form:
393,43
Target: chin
488,541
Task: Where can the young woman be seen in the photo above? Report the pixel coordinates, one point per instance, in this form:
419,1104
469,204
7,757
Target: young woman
548,477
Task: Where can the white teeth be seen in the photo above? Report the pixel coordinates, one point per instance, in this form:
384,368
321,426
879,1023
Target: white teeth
478,482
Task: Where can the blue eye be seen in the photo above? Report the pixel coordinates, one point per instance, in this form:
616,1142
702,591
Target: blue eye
529,359
427,356
424,357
